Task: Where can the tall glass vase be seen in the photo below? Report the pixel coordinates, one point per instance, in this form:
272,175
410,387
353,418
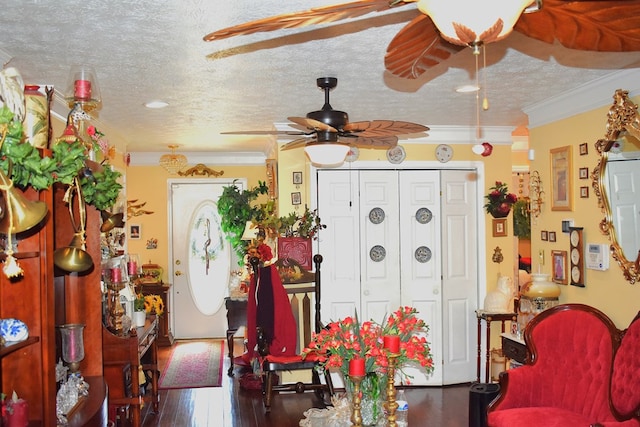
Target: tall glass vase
372,389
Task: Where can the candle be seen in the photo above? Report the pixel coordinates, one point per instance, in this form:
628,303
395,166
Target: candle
19,416
82,89
356,367
132,268
392,343
116,275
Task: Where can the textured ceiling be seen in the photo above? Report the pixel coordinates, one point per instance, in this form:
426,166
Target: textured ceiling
154,50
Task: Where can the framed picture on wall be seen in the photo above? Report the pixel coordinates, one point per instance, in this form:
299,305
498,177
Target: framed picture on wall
272,177
543,235
584,149
499,227
296,198
297,178
559,263
135,231
552,236
584,192
583,173
561,182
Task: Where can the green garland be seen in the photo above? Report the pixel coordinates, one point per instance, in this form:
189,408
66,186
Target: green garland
22,162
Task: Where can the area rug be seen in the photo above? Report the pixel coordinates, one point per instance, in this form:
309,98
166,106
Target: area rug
194,365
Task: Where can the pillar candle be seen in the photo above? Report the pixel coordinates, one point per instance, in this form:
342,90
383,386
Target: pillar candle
82,89
132,268
392,343
20,414
356,367
116,275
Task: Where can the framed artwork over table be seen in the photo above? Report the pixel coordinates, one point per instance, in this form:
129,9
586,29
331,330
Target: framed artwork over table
561,182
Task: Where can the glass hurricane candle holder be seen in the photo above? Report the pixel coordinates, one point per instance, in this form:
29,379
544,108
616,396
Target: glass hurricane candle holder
72,345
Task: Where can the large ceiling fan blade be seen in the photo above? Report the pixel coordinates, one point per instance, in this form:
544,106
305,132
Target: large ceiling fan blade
416,48
599,25
380,128
318,15
384,142
312,124
296,143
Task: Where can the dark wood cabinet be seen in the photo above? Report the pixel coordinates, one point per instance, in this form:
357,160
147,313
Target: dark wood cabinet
514,348
124,357
165,336
236,319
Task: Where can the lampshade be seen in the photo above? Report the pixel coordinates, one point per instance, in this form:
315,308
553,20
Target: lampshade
82,87
173,162
250,231
477,21
327,154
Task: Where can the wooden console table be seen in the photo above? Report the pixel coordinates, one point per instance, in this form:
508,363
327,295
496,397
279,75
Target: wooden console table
236,317
122,357
514,348
489,317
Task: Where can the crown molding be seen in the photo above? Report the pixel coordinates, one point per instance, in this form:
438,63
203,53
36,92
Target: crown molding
595,94
205,157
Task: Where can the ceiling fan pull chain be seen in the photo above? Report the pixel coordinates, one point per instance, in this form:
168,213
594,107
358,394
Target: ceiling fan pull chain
485,101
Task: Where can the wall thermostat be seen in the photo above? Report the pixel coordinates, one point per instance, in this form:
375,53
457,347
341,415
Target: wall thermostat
597,256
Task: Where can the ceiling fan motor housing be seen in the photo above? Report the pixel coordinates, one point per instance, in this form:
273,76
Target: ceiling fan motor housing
334,118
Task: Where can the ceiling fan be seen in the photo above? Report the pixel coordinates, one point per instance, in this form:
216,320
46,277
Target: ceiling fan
329,127
592,25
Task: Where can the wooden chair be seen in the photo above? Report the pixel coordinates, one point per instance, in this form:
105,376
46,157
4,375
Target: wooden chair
301,287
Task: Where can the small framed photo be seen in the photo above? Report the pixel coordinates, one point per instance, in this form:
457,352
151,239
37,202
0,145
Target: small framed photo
561,179
584,192
583,173
552,236
559,259
544,236
584,149
135,231
296,199
499,227
297,178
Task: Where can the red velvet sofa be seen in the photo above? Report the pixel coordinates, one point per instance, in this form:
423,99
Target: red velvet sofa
581,372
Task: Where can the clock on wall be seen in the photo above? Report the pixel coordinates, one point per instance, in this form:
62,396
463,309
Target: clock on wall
576,255
444,153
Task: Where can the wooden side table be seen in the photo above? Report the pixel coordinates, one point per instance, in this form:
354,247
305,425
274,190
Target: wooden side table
488,318
165,336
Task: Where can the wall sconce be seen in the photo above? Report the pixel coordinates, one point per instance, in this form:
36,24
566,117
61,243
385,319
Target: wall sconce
72,345
535,194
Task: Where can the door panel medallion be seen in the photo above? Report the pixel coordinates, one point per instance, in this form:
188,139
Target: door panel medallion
424,215
376,215
423,254
377,253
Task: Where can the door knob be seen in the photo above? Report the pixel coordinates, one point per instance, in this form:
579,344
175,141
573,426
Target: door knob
366,293
178,273
436,291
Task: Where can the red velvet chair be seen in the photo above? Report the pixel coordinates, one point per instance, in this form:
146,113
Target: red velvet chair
625,378
566,380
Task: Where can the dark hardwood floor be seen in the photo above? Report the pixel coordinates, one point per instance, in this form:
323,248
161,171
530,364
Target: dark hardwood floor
428,406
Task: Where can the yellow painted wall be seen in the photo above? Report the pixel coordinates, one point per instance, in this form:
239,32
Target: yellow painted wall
605,290
149,184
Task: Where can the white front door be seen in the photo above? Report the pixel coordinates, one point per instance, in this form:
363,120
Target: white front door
200,259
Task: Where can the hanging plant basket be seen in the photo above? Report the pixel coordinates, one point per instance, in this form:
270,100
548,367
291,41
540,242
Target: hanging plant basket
500,212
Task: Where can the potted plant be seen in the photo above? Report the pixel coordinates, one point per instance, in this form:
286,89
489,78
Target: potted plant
237,207
139,312
499,200
296,233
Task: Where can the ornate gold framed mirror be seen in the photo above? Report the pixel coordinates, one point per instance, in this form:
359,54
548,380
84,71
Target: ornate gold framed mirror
617,174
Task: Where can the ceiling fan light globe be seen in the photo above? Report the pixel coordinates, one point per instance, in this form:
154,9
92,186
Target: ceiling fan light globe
477,16
327,154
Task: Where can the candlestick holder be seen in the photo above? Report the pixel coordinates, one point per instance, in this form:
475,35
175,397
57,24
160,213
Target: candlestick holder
356,410
391,405
114,307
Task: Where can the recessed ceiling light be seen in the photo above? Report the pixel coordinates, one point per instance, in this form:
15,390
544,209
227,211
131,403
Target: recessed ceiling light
156,104
467,89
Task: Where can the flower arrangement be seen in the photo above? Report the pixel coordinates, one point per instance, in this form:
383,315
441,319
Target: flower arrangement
305,226
154,304
344,340
499,200
262,251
